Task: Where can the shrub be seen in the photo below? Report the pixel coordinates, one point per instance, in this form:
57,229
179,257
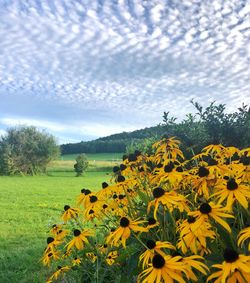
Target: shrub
163,218
81,164
25,150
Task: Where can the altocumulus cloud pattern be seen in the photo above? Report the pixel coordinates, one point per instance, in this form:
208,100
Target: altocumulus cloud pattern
127,59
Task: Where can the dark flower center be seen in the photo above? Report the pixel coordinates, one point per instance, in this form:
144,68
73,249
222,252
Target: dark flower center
114,196
232,185
179,169
141,169
168,168
151,244
50,254
66,207
104,206
54,226
120,179
205,208
83,191
87,192
124,222
191,219
121,196
137,153
50,240
158,192
132,157
105,245
122,167
104,185
203,172
59,267
91,211
151,221
124,157
116,169
93,199
230,255
77,232
158,261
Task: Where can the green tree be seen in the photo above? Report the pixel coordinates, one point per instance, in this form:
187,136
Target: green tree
27,151
81,164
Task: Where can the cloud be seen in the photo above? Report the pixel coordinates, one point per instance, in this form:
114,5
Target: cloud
91,130
125,60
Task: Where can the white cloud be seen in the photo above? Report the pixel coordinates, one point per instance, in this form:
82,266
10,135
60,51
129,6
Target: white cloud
124,57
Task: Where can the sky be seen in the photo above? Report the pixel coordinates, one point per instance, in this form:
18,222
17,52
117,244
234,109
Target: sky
82,69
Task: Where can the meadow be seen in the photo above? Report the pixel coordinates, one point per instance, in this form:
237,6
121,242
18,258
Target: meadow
30,205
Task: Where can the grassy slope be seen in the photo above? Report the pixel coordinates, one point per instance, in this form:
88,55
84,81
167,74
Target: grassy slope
29,205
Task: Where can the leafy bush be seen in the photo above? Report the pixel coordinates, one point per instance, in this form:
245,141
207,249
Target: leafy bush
25,150
81,164
163,218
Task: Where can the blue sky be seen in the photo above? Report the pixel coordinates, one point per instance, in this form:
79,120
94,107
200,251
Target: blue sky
86,68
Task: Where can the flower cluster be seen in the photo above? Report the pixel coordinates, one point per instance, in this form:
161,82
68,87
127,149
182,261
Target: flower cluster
162,218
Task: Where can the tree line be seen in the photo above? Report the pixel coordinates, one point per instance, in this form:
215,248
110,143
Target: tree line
209,125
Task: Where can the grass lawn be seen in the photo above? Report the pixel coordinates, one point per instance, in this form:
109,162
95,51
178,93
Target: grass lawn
29,206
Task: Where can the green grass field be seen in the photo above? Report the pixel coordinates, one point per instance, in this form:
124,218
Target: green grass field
29,206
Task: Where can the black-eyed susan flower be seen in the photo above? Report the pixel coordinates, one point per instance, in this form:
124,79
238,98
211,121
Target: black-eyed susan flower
49,256
169,199
60,272
52,243
244,236
80,238
83,197
210,210
152,223
110,259
91,256
76,261
61,234
123,232
194,237
194,262
234,269
154,248
163,269
70,213
232,190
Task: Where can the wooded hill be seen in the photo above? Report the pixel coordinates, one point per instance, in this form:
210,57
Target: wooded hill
113,143
210,125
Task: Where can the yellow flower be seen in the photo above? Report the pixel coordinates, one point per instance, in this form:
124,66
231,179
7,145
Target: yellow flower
154,248
194,237
152,223
83,197
48,256
91,256
60,272
76,261
202,182
80,238
193,262
169,199
123,232
69,213
234,269
210,210
232,190
163,269
110,259
243,236
52,243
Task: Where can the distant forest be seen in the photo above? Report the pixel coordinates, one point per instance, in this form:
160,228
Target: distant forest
209,125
